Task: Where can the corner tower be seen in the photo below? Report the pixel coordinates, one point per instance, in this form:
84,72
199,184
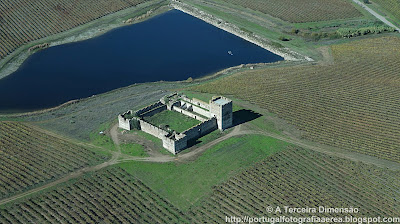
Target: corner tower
221,108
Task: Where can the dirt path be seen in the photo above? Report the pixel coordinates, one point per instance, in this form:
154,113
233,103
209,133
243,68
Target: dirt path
243,129
250,130
71,176
381,18
185,156
114,137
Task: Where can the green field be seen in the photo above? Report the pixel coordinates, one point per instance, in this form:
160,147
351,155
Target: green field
302,178
351,103
133,150
339,116
186,183
172,119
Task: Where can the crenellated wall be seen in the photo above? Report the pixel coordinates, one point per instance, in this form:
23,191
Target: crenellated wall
152,130
217,114
174,146
148,108
201,129
201,111
123,122
189,114
197,102
153,111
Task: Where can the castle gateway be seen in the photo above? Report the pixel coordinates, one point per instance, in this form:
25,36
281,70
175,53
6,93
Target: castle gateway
217,114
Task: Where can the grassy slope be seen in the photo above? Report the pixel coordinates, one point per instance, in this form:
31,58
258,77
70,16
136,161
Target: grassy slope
180,183
274,28
350,104
185,183
31,158
302,178
85,119
107,196
133,149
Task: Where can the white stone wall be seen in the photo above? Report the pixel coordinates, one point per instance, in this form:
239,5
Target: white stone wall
189,114
153,111
124,123
148,108
151,129
201,129
200,103
201,111
174,146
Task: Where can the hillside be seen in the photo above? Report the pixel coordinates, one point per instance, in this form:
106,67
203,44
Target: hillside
299,11
22,22
30,158
352,104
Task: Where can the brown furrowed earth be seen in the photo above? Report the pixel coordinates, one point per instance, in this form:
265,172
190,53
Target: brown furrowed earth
291,177
392,6
24,21
107,196
299,11
352,104
287,178
30,158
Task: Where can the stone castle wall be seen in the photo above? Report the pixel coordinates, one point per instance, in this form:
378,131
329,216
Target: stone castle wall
153,111
189,114
201,129
123,122
174,146
152,130
148,108
201,111
197,102
211,115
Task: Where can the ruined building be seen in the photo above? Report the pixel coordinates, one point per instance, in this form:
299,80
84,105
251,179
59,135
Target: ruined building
217,114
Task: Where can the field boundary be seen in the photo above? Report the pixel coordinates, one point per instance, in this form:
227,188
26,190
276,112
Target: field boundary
92,29
239,130
286,53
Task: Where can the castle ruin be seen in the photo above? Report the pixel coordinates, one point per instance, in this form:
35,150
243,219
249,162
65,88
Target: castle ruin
217,114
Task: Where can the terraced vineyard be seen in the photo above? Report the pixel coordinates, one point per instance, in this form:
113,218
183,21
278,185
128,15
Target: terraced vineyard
29,158
23,21
108,196
298,11
353,104
302,178
393,6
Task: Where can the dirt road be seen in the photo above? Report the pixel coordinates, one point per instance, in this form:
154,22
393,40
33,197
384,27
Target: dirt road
381,18
243,129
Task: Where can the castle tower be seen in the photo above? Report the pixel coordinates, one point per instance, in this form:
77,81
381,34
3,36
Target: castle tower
221,108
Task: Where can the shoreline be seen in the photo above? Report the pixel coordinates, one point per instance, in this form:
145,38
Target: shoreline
93,29
285,53
117,21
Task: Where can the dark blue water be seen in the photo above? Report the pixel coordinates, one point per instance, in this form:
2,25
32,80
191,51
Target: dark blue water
172,46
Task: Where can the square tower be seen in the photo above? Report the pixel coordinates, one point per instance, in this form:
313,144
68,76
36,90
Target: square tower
221,108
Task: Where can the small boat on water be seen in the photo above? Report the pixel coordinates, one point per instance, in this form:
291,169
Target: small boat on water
230,52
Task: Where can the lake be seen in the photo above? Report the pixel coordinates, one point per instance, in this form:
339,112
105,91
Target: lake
171,46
